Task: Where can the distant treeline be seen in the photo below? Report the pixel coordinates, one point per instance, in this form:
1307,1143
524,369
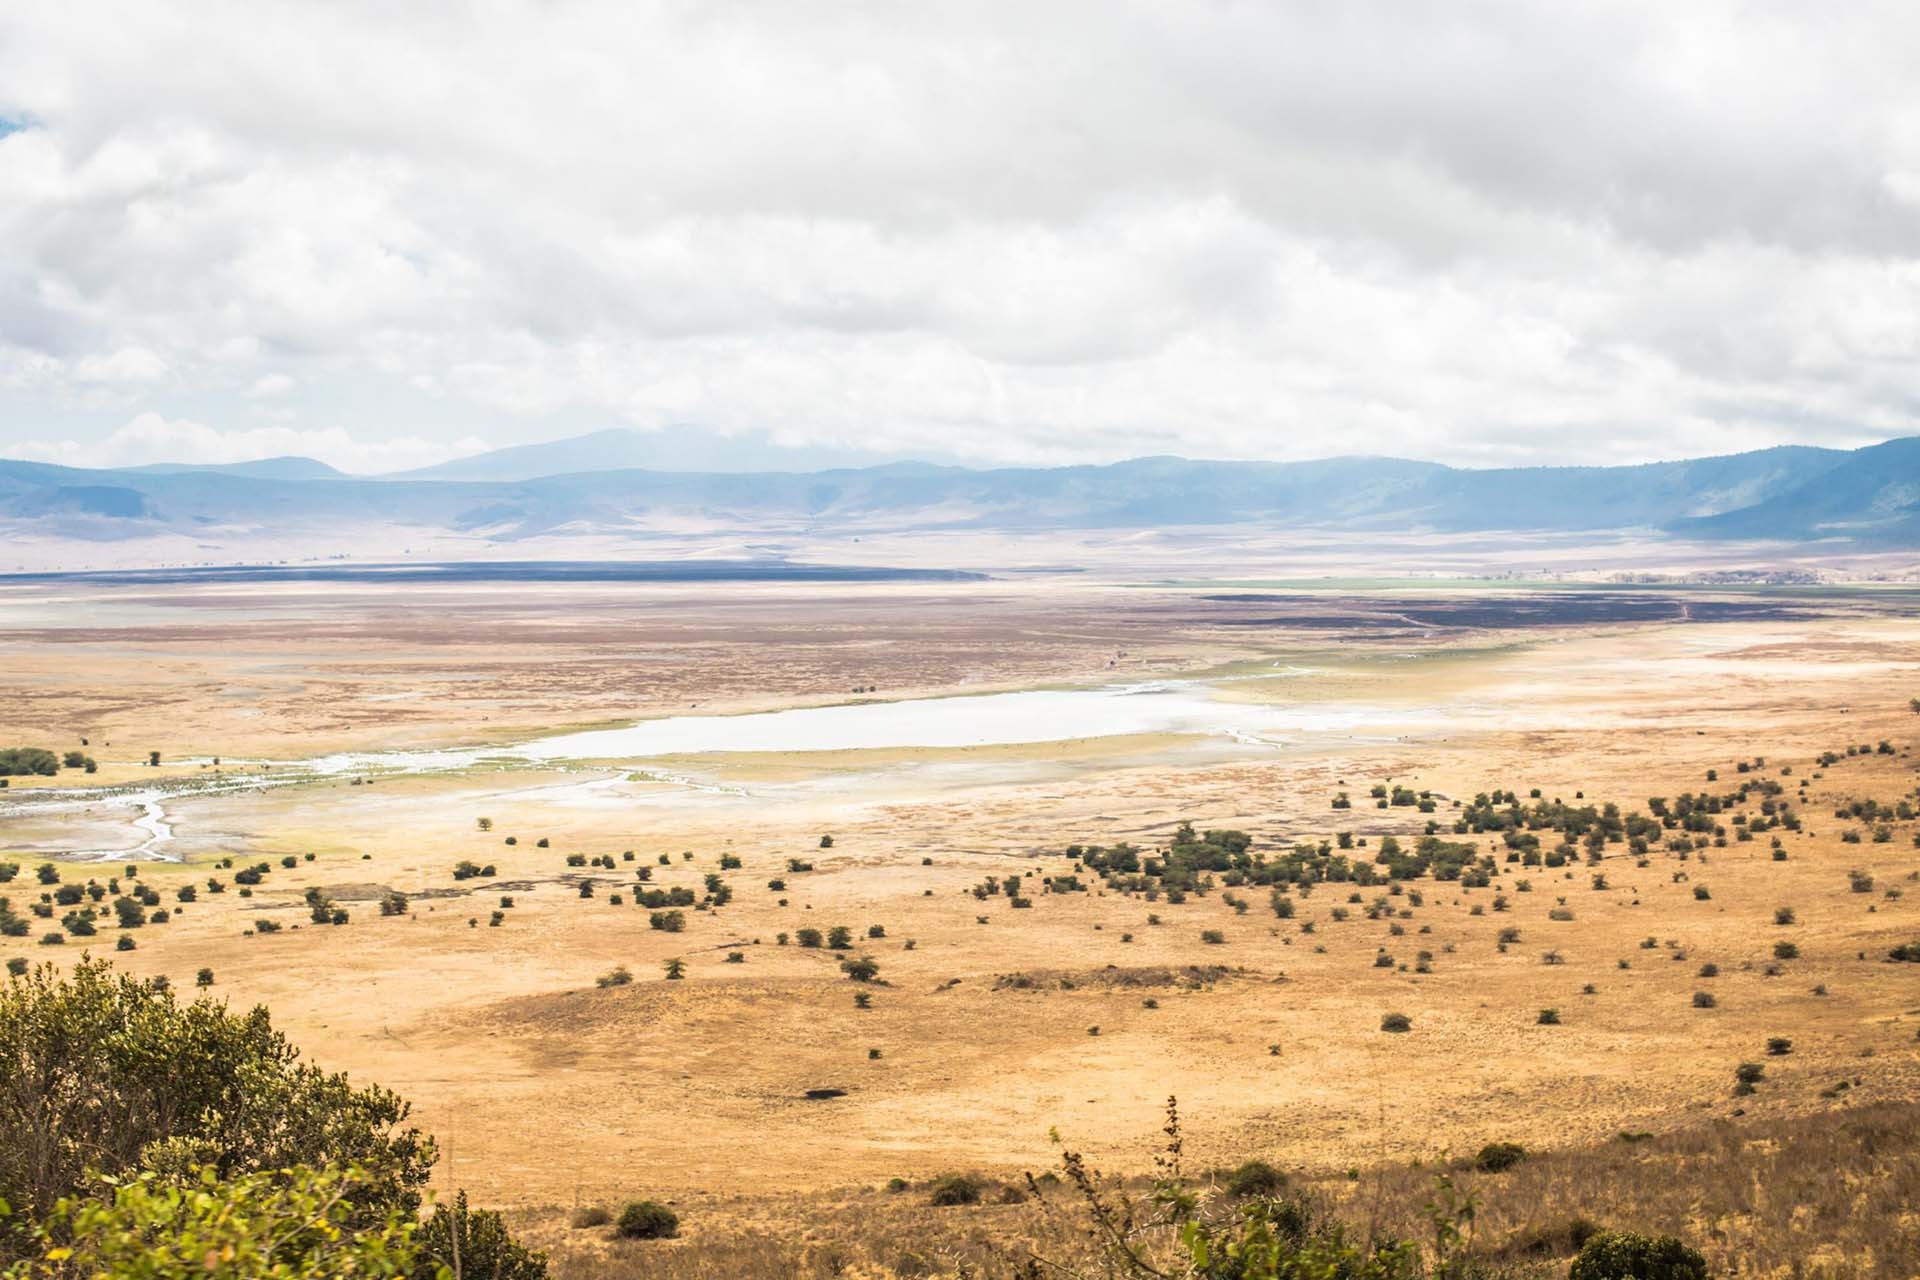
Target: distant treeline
22,762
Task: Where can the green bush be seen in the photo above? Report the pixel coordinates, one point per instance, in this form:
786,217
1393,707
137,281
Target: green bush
1498,1157
82,1088
861,969
475,1239
1256,1178
285,1222
1396,1022
646,1220
954,1189
1625,1255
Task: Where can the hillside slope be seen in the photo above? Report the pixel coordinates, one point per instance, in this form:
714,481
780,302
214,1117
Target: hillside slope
1785,492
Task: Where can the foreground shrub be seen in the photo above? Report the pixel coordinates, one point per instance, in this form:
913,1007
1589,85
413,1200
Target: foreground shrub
1256,1178
100,1072
1498,1157
1625,1255
472,1242
647,1220
1256,1238
296,1222
954,1189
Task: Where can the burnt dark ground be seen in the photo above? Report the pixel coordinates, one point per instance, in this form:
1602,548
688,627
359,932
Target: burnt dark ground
1532,609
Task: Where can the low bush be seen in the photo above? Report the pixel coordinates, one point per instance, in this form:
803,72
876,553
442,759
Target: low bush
1256,1178
1625,1255
1498,1157
647,1220
954,1189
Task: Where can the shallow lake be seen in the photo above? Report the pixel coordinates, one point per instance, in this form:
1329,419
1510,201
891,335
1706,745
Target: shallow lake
998,719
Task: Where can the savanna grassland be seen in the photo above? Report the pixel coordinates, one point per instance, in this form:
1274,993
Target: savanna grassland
1596,848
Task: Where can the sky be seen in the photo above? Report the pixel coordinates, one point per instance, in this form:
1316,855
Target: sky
1489,232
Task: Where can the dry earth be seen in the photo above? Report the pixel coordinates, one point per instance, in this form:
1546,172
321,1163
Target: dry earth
546,1090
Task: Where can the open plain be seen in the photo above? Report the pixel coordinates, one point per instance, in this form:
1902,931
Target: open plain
350,745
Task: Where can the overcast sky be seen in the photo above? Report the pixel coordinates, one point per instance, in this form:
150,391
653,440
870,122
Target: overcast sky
1038,231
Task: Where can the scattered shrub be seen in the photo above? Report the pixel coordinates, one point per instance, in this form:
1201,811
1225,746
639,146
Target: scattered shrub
1625,1255
647,1220
1498,1157
1256,1178
954,1189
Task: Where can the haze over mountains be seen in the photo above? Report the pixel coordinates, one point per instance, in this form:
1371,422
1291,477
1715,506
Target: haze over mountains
579,488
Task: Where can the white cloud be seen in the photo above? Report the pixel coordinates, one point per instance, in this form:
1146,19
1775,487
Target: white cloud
128,364
1490,232
150,438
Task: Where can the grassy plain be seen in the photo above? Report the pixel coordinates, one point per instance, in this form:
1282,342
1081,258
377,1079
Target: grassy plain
994,1024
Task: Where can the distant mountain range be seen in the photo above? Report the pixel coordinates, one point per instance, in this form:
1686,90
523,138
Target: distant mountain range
626,450
1869,496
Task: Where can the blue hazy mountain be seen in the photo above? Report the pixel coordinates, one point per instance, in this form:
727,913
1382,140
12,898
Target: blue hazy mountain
618,449
262,469
1871,494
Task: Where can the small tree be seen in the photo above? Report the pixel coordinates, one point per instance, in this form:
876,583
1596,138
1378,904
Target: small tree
860,969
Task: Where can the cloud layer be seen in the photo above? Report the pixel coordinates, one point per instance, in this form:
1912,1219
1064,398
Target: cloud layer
1483,232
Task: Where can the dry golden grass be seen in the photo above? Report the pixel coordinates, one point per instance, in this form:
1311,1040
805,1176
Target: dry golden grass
546,1090
1836,1194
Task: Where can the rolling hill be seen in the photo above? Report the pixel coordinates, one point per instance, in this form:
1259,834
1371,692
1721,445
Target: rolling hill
1870,496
